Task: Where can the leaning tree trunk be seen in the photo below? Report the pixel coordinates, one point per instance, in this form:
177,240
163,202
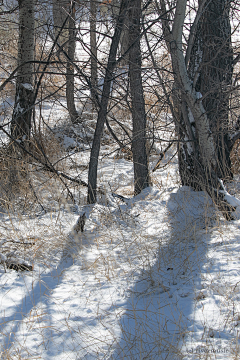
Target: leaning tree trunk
102,114
22,113
141,175
70,69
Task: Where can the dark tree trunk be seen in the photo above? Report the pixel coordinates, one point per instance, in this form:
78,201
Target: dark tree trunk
59,16
210,70
70,69
141,176
102,114
64,22
22,113
93,48
216,77
197,149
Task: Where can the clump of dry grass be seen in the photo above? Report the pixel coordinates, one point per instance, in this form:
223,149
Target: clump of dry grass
46,147
19,171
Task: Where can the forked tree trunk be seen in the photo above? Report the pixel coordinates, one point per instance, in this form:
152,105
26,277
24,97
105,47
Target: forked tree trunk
124,39
140,163
22,113
93,164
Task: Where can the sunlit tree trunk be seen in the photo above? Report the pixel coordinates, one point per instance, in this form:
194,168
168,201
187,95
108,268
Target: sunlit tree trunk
22,113
141,176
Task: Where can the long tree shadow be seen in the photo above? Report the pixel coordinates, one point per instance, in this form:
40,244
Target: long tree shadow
38,287
158,313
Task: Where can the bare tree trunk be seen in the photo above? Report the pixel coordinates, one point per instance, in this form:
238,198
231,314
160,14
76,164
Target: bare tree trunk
216,78
210,68
70,69
61,10
59,16
124,41
102,114
141,176
93,48
22,113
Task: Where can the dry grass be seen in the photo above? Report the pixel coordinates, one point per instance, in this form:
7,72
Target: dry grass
19,173
47,147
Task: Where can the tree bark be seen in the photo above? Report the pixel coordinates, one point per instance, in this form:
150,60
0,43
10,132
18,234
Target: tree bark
210,68
215,78
197,153
59,15
61,10
141,176
93,49
22,113
93,164
70,69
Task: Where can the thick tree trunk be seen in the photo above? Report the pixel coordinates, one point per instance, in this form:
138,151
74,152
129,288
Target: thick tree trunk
141,176
70,69
93,164
198,157
22,113
216,77
210,70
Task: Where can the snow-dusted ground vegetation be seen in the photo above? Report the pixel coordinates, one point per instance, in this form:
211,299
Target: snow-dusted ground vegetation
151,277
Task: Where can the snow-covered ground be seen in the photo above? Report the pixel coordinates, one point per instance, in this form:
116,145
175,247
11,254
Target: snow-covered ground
151,277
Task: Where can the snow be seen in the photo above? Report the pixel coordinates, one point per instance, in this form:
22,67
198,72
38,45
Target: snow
151,277
28,86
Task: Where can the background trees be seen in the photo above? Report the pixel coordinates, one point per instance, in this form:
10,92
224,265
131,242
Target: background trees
65,32
179,61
